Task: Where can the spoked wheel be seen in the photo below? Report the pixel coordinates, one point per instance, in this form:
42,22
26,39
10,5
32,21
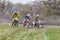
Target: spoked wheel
42,25
26,24
37,25
15,23
34,24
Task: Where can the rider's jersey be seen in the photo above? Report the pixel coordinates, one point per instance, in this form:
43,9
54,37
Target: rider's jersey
37,18
27,17
14,17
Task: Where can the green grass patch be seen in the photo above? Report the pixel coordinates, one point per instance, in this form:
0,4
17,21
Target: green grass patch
8,32
53,33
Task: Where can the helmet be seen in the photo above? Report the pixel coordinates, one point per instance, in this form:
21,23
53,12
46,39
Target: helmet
28,14
37,15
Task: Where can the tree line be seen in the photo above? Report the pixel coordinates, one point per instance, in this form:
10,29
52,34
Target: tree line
45,8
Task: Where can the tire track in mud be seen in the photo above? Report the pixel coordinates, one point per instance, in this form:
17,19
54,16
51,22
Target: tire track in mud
13,34
38,34
22,35
28,35
44,35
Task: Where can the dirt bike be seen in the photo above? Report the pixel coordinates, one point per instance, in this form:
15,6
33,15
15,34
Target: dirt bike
26,23
37,24
15,23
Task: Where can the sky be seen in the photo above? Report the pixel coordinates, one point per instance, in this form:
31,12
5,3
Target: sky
20,1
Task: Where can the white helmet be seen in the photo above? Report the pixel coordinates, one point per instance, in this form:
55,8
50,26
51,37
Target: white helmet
28,14
37,15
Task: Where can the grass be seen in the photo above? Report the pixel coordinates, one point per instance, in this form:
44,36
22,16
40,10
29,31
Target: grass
7,32
53,33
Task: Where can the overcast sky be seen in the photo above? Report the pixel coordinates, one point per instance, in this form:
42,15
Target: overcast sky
21,1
